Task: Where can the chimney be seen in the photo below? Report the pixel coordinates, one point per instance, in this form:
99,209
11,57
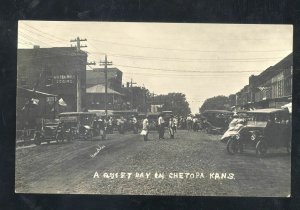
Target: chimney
36,46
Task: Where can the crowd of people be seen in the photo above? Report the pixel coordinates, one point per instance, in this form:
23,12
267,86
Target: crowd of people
161,123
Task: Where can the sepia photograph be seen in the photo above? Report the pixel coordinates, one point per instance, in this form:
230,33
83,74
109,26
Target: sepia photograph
136,108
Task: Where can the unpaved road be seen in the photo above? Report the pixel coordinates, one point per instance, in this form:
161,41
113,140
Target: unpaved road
95,167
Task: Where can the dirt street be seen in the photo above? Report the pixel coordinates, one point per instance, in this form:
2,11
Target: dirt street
194,163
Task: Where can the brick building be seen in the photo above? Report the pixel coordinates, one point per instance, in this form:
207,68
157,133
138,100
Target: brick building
54,71
270,89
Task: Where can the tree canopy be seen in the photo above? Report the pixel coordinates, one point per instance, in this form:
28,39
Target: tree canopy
217,102
175,102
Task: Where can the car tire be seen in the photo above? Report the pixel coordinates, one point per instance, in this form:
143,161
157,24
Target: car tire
232,146
59,139
208,130
289,147
37,140
261,149
89,135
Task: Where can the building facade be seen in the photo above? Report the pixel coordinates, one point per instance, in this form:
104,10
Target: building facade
53,70
97,77
270,89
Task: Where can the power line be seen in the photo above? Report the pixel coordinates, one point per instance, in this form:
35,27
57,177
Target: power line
191,50
40,35
187,75
51,35
191,59
176,70
27,37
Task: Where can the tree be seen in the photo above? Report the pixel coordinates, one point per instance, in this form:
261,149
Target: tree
217,102
175,102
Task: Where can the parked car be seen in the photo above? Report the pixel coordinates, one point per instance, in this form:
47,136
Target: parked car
215,121
266,128
238,121
80,122
53,129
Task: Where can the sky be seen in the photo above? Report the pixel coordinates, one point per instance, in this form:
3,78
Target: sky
199,60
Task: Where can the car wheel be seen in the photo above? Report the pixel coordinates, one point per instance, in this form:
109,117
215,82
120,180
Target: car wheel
289,147
89,135
59,138
261,149
232,146
37,140
208,130
241,148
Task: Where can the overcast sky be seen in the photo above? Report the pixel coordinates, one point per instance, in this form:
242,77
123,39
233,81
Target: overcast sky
199,60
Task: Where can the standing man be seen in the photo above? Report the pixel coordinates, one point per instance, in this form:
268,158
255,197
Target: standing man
189,122
172,127
134,124
161,127
145,130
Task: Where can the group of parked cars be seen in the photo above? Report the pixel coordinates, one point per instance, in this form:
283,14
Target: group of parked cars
67,127
85,125
259,129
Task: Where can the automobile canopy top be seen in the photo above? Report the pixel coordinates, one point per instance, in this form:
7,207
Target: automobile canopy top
75,113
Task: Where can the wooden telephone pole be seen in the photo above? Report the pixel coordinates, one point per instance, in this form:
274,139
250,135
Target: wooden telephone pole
105,63
131,89
78,75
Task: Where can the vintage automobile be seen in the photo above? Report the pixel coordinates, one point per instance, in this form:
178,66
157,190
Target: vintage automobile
215,121
153,120
123,121
266,128
52,129
80,122
238,121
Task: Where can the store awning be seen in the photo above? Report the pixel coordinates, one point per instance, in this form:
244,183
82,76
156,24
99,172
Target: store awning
31,93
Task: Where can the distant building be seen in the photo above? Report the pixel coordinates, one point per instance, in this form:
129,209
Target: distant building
53,70
97,77
270,89
95,98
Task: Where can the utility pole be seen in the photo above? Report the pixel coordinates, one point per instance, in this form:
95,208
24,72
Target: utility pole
78,76
145,99
131,83
105,63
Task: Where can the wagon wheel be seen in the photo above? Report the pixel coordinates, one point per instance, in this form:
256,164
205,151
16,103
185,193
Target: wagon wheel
261,149
232,146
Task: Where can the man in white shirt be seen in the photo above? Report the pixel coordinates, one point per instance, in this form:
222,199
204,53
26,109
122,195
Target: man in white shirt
172,127
161,127
145,128
189,122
